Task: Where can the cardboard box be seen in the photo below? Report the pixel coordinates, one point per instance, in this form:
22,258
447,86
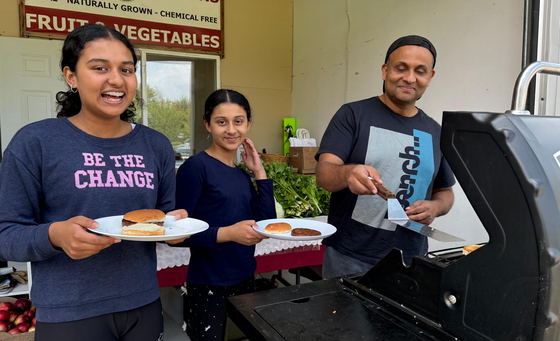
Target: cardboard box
29,336
303,158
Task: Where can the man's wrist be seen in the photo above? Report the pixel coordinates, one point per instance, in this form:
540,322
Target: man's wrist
345,172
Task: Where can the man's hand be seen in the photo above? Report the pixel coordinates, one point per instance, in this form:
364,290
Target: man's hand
333,175
422,211
425,211
358,179
72,237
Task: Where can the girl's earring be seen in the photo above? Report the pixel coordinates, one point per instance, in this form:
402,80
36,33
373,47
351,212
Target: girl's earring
74,90
208,136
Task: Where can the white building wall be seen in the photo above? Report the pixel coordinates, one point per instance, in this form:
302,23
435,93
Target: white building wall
339,47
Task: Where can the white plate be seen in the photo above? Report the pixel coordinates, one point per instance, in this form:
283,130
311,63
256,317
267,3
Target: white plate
174,229
325,229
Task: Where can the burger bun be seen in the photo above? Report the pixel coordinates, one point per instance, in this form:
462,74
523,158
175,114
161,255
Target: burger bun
145,216
278,228
147,222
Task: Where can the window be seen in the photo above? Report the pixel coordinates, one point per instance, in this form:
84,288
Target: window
174,87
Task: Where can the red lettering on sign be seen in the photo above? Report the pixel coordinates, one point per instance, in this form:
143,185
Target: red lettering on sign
59,22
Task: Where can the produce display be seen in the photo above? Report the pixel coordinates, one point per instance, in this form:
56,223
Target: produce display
17,317
299,194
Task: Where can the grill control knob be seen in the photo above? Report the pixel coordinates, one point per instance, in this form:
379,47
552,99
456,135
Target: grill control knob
452,299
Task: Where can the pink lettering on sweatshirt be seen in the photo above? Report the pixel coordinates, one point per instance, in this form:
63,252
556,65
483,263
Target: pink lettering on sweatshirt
102,177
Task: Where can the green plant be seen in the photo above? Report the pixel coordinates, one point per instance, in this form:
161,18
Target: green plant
299,194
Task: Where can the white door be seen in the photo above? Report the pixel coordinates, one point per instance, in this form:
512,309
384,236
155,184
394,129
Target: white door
30,77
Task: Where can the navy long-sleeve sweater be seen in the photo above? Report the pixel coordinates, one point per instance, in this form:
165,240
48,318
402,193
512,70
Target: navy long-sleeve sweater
222,196
53,171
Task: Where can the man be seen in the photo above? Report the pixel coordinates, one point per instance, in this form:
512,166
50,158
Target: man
392,141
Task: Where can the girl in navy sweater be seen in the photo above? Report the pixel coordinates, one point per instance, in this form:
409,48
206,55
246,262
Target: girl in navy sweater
212,188
60,174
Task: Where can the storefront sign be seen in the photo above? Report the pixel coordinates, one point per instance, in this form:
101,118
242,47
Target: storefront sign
186,24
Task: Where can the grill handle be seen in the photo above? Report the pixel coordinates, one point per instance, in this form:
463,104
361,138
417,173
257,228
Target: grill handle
522,84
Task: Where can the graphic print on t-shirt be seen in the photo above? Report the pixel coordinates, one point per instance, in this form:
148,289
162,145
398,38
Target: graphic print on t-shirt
129,171
406,165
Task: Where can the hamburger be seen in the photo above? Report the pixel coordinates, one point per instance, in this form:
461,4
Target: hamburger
143,223
278,228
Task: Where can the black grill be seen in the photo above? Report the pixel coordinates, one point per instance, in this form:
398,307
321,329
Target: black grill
509,168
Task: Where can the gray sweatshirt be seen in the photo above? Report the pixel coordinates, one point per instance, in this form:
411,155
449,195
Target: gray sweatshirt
52,171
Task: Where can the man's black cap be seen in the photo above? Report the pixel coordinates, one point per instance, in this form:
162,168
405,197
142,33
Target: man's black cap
412,40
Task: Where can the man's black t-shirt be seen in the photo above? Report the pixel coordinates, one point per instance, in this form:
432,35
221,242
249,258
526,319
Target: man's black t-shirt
406,152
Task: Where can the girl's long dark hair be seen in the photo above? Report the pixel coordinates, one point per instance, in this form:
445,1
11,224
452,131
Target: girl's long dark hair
225,96
69,103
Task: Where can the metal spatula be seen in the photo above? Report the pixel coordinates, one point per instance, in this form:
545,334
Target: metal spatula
397,215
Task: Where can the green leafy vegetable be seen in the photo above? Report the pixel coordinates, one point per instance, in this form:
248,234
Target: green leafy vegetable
299,194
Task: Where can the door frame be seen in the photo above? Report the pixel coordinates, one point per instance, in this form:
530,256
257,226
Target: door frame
143,75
